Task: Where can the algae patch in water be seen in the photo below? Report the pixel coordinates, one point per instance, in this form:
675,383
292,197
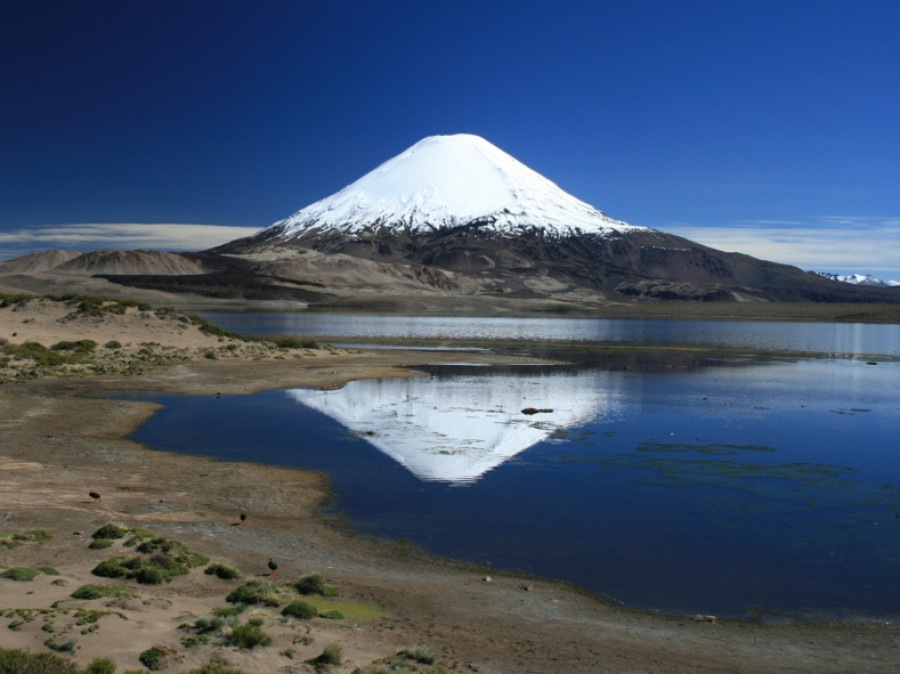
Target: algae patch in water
712,448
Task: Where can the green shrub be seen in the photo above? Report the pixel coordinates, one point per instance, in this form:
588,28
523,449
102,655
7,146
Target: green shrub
100,544
155,658
196,640
292,342
22,662
34,535
110,531
301,610
176,552
161,560
21,573
254,592
247,636
222,571
100,591
313,583
228,611
81,346
89,592
150,575
209,624
48,570
138,536
113,344
37,352
332,614
114,567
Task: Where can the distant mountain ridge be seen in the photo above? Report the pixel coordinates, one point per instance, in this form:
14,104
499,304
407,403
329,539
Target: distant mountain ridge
102,262
860,280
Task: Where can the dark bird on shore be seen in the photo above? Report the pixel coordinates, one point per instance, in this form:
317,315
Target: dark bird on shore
243,517
94,495
273,567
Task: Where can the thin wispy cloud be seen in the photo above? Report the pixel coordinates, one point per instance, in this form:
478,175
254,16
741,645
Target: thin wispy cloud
129,236
837,244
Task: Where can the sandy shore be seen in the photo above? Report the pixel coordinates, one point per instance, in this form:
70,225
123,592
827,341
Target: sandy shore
62,437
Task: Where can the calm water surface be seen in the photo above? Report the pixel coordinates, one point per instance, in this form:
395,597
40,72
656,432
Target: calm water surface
742,487
828,338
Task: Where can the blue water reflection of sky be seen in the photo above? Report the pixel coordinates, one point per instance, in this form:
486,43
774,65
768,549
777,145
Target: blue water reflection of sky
768,487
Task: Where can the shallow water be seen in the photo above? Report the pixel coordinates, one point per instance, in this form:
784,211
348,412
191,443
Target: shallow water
749,487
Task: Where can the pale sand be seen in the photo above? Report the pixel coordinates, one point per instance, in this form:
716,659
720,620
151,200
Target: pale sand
56,445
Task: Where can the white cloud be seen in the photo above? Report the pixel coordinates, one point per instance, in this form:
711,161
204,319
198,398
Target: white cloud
838,244
93,236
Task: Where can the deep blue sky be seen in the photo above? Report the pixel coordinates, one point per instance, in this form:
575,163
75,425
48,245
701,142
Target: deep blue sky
751,125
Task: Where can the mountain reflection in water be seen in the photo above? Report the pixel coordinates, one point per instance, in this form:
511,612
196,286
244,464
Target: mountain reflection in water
458,431
670,480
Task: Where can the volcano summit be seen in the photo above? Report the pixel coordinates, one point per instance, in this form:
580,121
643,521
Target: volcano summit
447,182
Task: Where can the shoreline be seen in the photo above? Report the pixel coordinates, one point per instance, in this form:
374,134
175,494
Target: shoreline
494,626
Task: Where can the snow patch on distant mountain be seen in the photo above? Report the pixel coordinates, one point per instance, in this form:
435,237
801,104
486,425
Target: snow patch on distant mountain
861,280
450,181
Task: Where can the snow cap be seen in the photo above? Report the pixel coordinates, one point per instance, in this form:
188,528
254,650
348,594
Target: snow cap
447,181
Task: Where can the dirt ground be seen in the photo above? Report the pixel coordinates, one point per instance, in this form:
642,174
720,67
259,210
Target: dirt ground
61,438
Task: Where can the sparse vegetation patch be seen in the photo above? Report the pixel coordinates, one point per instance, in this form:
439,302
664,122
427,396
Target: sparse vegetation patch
14,540
247,636
222,571
21,573
261,592
159,560
31,359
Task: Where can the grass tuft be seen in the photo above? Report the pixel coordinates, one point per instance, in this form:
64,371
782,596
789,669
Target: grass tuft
419,653
330,655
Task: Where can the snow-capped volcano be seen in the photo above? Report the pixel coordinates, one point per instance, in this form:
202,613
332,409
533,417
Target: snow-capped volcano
455,217
451,181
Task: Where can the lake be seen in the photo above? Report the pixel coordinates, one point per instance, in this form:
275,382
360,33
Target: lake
750,485
826,338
